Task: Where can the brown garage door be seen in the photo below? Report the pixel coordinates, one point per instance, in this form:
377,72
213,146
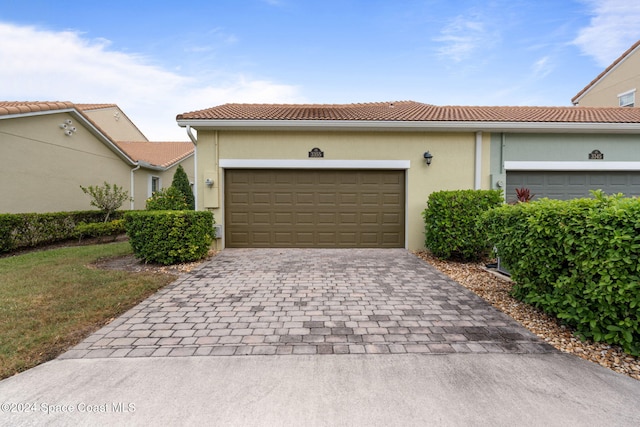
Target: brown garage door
314,208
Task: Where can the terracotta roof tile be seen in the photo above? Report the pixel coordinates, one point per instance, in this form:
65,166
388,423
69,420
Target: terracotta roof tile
606,70
89,107
414,111
163,154
24,107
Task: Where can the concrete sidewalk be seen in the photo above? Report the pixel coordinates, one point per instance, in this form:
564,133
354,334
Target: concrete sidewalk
337,390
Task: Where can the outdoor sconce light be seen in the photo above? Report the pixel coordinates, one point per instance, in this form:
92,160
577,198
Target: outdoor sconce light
209,182
428,157
67,128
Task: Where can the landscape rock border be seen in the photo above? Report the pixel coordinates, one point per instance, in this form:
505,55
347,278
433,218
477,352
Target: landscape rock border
497,291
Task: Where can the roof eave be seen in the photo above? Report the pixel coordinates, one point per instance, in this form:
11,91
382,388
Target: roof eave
614,65
86,123
411,126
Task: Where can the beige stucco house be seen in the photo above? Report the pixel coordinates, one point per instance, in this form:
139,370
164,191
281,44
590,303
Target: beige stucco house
49,149
356,175
616,86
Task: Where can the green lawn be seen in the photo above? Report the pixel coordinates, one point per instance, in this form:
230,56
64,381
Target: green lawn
50,300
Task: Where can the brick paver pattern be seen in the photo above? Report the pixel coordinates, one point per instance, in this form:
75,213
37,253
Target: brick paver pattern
310,301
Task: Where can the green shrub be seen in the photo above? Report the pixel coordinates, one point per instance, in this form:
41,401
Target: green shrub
181,182
18,231
170,237
108,198
452,228
100,229
577,260
168,199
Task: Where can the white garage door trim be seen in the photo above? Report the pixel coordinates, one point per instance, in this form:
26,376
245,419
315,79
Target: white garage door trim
313,164
594,165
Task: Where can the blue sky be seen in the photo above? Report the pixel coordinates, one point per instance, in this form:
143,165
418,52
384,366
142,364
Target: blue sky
156,59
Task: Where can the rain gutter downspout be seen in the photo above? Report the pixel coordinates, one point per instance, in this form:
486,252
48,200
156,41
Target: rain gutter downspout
478,165
195,164
133,186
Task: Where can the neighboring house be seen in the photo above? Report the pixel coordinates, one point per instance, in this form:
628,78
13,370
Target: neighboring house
355,175
49,149
616,86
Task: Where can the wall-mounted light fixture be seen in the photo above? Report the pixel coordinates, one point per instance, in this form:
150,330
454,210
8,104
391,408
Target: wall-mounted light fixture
68,128
209,182
428,157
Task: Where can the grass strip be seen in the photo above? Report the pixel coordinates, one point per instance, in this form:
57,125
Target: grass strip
52,299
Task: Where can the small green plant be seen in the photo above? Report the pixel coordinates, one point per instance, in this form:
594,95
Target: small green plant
181,183
108,198
167,199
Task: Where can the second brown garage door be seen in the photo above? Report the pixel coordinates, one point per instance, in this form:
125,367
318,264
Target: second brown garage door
314,208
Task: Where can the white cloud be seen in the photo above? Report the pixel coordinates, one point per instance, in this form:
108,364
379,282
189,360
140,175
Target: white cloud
612,30
462,37
542,67
63,66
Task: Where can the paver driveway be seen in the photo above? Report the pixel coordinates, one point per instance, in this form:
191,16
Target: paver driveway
310,301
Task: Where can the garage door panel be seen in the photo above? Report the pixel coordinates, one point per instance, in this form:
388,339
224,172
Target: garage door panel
260,198
327,199
369,237
260,218
314,208
369,218
283,218
348,218
239,218
283,199
391,199
240,198
370,199
303,238
572,184
281,237
304,218
327,218
391,219
260,178
305,199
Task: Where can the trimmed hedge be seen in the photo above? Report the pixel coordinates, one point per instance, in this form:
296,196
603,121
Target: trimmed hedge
452,229
170,237
100,229
169,199
18,231
577,260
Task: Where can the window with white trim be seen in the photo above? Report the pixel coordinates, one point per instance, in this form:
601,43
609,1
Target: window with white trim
627,99
154,185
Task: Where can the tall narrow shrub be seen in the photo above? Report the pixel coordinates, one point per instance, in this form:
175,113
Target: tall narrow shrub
181,182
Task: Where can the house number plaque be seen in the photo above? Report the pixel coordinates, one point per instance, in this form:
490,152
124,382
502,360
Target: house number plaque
316,153
596,155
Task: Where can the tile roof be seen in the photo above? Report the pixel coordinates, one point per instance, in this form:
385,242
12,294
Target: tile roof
162,154
89,107
414,111
24,107
605,72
